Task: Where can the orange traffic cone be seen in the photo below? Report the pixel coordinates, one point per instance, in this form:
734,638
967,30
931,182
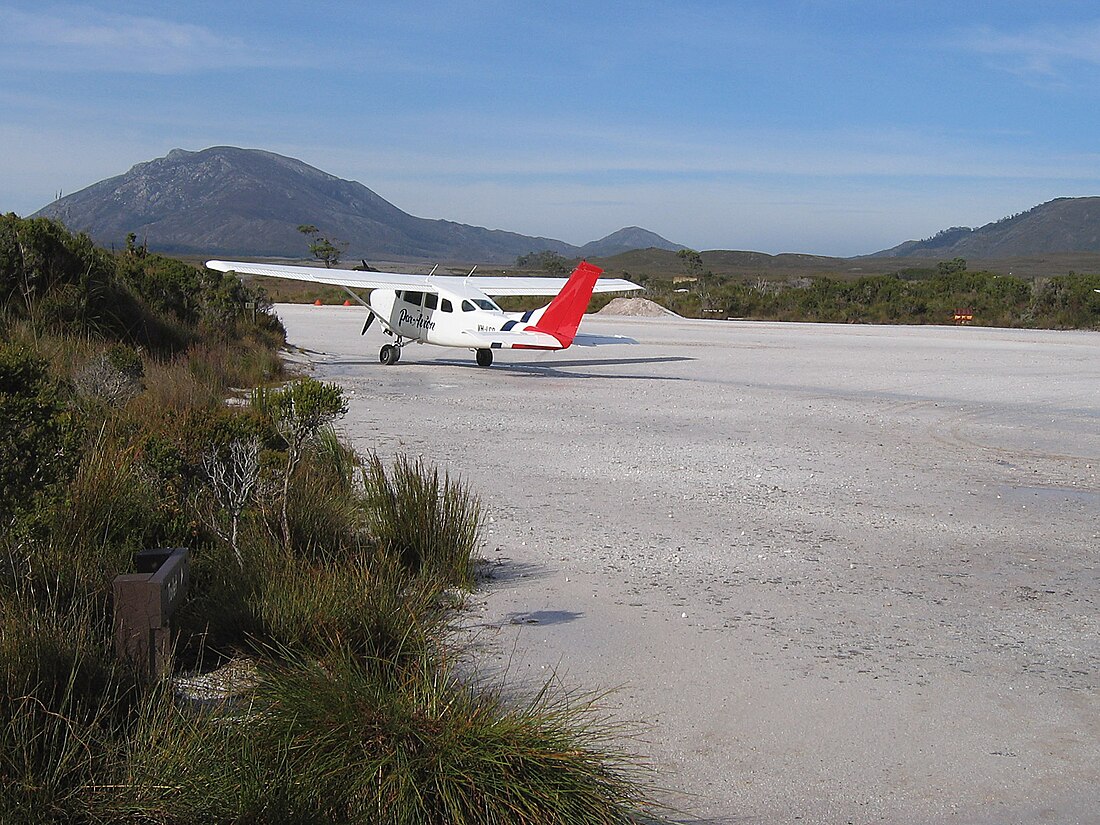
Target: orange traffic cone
317,303
347,302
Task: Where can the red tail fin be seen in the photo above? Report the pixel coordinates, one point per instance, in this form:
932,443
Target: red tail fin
563,316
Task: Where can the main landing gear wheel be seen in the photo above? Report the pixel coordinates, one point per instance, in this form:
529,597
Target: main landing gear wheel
389,354
484,357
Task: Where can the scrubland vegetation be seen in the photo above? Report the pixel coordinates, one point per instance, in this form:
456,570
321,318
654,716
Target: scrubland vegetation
686,283
914,296
327,578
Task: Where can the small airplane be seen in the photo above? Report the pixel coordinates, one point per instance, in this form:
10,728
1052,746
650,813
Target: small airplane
457,311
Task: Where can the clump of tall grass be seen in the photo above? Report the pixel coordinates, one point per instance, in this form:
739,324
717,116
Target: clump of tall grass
418,744
364,605
427,521
64,704
109,514
182,766
335,739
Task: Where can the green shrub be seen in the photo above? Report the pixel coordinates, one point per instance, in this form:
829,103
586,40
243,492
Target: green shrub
37,445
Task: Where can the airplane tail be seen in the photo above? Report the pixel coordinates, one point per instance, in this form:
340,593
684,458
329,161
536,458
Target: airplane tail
562,316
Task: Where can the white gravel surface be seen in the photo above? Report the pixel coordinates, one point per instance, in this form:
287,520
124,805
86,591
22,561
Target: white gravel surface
843,574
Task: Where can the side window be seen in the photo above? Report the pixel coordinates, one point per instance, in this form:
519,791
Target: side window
430,300
467,306
445,305
414,298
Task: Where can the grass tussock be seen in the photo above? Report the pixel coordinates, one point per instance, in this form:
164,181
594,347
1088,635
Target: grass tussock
422,518
339,740
63,702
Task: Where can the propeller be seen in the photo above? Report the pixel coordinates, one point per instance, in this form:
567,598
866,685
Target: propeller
369,321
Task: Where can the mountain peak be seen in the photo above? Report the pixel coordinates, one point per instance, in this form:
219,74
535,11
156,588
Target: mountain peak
230,201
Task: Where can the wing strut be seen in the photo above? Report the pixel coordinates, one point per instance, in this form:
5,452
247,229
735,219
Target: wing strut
370,312
355,297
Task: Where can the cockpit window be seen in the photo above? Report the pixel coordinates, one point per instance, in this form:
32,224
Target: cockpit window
411,297
430,300
485,303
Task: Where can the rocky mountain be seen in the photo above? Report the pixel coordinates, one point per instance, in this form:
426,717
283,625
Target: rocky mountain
1060,225
227,201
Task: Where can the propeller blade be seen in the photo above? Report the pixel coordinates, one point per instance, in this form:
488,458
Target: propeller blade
366,326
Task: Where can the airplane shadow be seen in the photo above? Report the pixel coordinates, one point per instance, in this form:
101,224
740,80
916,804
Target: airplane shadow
556,369
564,369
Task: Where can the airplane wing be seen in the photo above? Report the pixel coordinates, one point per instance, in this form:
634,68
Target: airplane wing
490,285
320,275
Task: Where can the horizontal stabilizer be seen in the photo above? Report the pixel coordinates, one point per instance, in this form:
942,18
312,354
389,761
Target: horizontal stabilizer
585,339
511,340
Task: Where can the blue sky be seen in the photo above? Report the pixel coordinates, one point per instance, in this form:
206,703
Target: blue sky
835,127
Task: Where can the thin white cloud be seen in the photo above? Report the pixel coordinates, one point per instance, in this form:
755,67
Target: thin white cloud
610,153
84,39
1043,51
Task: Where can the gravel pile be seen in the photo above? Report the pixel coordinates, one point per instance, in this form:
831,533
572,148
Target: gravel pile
635,308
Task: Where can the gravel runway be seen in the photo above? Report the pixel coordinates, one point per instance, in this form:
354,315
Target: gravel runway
842,574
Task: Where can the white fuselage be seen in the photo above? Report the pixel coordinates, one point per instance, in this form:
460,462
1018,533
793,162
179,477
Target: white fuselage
439,317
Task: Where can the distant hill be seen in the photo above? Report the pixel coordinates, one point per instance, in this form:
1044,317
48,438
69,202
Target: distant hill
626,240
1060,225
246,202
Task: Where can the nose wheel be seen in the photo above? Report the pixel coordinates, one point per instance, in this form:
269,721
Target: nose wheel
389,355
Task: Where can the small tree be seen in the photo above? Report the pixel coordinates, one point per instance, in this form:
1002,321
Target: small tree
692,259
321,247
299,411
953,267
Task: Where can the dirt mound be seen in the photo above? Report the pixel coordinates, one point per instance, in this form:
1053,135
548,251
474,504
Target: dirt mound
635,307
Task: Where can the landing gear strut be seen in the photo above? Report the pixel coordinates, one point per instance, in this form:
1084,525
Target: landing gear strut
484,357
